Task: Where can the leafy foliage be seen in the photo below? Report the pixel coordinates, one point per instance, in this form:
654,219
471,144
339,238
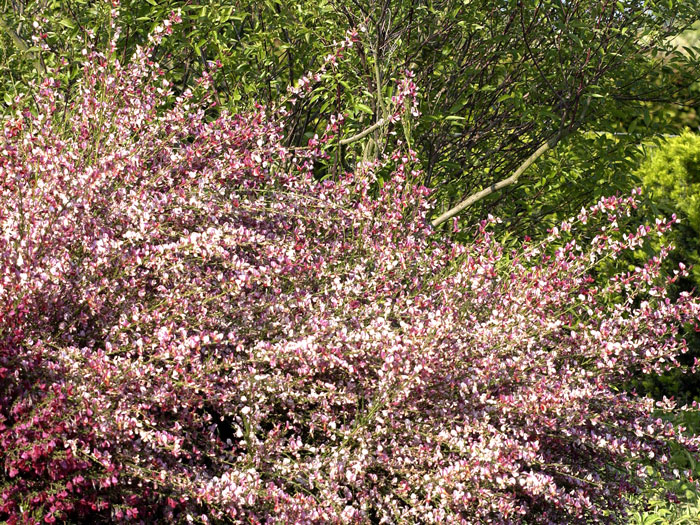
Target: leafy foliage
498,78
672,176
688,115
192,326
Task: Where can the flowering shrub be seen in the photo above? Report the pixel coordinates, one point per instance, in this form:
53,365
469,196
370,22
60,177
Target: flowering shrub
193,329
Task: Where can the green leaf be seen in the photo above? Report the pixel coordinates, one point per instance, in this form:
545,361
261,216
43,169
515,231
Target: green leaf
365,108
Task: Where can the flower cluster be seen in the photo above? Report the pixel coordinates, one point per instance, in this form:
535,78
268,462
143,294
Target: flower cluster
305,84
193,329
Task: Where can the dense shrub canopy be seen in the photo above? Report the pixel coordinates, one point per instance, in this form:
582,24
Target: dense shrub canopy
194,329
672,174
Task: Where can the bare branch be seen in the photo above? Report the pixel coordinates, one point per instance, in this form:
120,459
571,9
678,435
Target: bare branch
500,184
364,133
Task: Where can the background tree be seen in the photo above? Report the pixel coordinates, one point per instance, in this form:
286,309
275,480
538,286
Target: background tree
498,80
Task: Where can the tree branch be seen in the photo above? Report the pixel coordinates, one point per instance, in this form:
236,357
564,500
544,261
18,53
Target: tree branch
550,144
364,133
498,185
